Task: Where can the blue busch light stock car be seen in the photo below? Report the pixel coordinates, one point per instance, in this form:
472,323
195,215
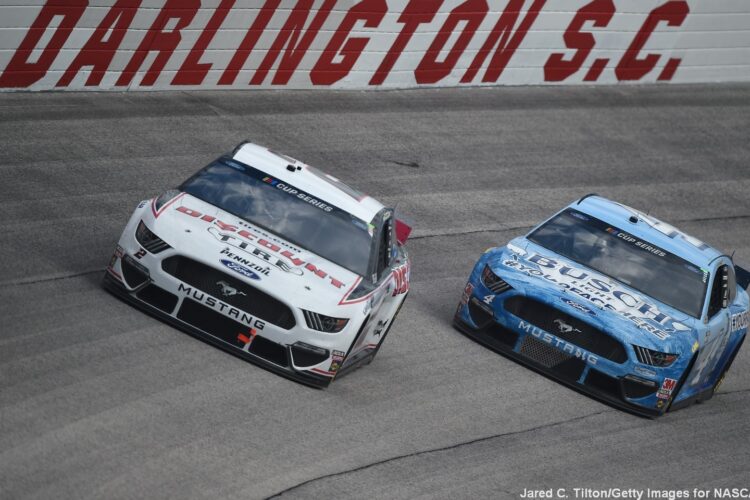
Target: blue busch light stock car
614,303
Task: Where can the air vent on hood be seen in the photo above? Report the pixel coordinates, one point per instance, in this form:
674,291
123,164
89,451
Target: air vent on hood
493,281
149,240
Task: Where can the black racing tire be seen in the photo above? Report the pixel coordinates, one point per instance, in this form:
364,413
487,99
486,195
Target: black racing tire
720,378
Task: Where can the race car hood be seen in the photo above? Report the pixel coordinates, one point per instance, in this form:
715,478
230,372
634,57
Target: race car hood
604,302
203,232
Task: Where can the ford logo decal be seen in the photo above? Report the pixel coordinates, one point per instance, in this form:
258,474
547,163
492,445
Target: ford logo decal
579,307
240,269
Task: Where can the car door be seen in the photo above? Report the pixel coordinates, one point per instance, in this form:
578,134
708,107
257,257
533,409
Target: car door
717,326
379,302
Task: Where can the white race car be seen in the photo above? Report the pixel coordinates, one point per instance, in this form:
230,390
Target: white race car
270,259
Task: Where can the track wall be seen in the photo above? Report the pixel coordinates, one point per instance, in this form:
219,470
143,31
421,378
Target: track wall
371,44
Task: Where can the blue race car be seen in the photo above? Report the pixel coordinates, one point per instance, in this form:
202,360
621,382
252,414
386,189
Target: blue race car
614,303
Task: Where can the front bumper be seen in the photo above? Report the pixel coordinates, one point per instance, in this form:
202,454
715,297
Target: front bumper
188,298
569,372
267,354
607,381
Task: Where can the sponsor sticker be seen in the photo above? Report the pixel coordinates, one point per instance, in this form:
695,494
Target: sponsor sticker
629,238
601,292
666,389
251,250
337,357
243,240
739,321
298,193
468,290
240,269
579,307
640,370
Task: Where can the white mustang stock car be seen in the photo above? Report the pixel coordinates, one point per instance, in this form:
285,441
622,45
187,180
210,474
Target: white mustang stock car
270,259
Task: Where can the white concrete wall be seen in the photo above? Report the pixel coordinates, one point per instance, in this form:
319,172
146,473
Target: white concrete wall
680,41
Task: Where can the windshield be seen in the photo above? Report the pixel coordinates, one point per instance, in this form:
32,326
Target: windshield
620,255
293,214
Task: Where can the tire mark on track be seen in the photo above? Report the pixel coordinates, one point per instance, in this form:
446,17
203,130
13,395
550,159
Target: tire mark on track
436,450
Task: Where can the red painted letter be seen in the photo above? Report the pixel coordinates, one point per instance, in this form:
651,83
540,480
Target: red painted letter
315,270
164,42
189,211
248,43
293,51
557,68
429,69
97,52
632,68
327,72
295,260
20,72
192,71
415,13
506,44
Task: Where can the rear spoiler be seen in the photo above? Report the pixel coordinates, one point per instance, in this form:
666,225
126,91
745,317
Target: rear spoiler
743,276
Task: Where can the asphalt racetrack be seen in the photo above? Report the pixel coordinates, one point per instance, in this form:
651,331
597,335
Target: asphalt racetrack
99,400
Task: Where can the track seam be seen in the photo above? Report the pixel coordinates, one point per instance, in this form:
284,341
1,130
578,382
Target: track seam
433,450
54,278
518,228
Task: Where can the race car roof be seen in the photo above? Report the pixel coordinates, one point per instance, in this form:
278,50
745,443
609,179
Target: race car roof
649,229
319,184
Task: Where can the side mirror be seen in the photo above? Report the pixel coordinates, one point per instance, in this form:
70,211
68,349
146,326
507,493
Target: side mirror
743,277
403,230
